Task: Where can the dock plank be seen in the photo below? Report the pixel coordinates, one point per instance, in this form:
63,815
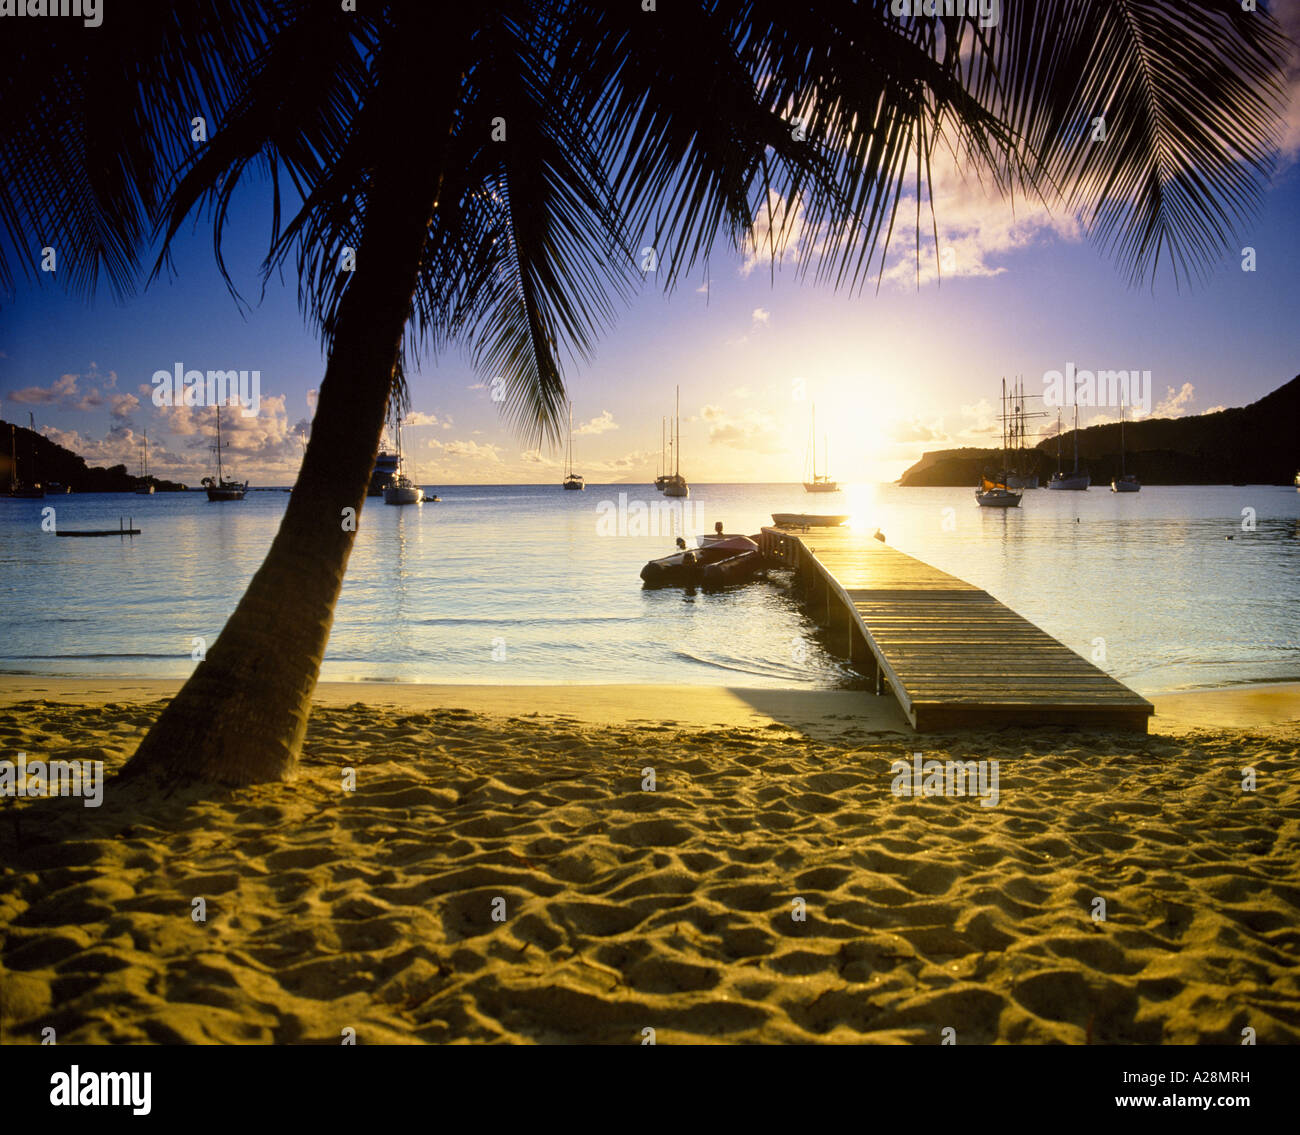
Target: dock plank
952,654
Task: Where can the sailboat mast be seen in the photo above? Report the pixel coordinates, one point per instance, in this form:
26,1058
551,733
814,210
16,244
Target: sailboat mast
813,435
677,468
219,474
1121,436
1076,431
1058,441
568,459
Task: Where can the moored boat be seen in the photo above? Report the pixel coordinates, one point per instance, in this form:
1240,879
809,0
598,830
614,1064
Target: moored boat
994,493
401,489
686,566
1125,482
821,482
675,485
1078,480
221,488
808,520
572,481
144,485
383,474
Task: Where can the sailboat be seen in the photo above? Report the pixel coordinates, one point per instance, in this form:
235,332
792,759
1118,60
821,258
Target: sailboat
221,489
676,486
1020,477
144,486
572,480
995,494
401,489
1078,480
34,491
820,483
1126,482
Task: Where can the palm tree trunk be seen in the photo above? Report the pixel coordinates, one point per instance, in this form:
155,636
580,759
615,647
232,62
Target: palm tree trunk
242,715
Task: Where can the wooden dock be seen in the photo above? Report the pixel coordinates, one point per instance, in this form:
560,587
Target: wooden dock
952,655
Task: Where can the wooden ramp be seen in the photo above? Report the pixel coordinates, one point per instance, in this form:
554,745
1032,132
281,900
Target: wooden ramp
953,655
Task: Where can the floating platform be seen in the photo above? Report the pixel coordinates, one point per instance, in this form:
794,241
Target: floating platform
123,529
952,655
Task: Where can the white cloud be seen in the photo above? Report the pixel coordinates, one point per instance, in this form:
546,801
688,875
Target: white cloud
977,225
121,405
1175,404
598,425
761,315
752,430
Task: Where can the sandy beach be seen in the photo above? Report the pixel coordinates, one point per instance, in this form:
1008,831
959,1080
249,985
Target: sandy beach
502,871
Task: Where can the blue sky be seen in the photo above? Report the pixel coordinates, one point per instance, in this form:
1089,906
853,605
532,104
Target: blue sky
892,373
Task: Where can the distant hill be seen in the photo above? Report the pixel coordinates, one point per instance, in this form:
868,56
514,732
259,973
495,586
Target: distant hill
54,463
1257,444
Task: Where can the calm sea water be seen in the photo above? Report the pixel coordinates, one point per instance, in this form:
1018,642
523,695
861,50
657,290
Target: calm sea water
521,584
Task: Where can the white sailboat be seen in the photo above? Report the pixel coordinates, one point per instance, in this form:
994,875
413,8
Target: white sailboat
820,483
401,489
1078,480
572,480
676,486
995,493
1125,482
144,486
223,489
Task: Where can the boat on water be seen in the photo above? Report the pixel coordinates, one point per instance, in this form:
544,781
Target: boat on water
1125,482
572,481
144,486
32,490
383,473
1079,479
221,488
821,482
808,520
401,489
675,485
994,493
722,561
1019,475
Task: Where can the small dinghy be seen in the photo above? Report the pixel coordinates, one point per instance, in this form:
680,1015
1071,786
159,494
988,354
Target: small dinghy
687,566
807,520
734,569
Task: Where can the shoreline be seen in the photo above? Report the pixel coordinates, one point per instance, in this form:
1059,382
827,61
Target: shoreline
813,712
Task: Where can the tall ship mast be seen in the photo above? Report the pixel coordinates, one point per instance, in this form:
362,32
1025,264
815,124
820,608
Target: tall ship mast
222,489
144,486
572,480
676,486
820,483
1078,479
